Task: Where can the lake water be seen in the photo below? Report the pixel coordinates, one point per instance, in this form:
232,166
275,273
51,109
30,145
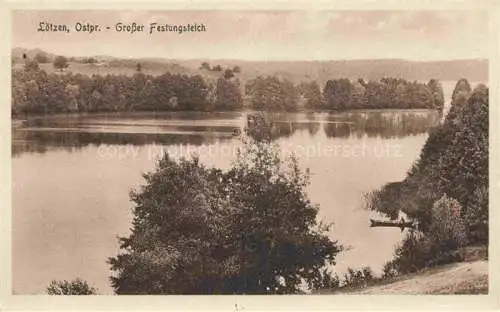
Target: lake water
72,177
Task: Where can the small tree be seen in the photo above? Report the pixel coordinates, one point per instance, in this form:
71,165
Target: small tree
205,66
463,86
31,66
61,63
139,67
312,93
438,244
75,287
89,60
437,95
236,69
217,68
367,273
448,228
227,95
389,271
326,280
228,74
41,58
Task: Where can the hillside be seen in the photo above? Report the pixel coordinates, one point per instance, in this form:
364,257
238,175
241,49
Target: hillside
456,278
469,276
296,71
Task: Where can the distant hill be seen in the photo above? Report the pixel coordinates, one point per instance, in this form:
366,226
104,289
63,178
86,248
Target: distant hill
296,71
17,53
105,64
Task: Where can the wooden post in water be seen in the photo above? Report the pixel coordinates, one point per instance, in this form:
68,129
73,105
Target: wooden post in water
402,224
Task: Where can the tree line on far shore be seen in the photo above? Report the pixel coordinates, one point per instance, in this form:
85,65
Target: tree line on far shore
36,92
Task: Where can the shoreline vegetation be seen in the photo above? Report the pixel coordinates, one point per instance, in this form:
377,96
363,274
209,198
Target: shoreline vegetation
469,276
212,113
252,229
36,92
446,190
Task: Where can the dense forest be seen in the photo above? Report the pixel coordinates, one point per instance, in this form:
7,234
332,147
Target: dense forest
34,91
446,190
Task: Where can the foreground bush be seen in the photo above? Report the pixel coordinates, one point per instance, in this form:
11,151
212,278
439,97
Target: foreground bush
447,234
352,279
74,287
447,229
250,229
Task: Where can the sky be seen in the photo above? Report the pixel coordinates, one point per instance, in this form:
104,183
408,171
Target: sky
264,35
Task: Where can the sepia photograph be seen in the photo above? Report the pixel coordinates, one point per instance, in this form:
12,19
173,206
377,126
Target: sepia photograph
249,152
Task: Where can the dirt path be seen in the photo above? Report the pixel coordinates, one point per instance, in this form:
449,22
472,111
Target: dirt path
457,278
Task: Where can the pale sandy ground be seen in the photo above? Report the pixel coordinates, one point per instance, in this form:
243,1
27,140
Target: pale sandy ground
456,278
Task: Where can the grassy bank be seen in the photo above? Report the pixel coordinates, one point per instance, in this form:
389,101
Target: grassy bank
469,276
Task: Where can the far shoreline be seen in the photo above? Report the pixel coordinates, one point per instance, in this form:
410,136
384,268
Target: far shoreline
215,113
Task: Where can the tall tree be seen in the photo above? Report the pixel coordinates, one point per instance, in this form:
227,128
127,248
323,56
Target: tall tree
437,95
337,94
61,63
41,58
462,86
459,98
31,66
312,94
205,66
227,95
358,98
271,93
228,74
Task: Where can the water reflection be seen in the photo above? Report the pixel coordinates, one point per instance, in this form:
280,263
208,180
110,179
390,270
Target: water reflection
73,132
386,125
42,141
337,129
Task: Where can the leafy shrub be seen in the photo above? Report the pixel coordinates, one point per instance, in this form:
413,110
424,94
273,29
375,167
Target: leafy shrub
326,280
389,270
354,278
357,278
447,230
41,58
74,287
61,63
439,245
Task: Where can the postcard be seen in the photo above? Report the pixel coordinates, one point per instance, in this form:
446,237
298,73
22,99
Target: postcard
266,157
